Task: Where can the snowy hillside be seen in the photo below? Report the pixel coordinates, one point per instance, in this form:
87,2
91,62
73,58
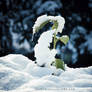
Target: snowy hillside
19,74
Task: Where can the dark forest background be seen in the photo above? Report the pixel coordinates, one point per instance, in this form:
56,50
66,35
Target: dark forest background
18,16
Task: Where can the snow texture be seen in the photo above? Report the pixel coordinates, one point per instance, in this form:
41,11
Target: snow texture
19,74
42,52
60,20
40,20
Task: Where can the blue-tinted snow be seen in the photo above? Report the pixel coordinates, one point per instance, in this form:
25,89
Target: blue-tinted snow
33,78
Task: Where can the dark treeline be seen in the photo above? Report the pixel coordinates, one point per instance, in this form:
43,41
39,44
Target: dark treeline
18,16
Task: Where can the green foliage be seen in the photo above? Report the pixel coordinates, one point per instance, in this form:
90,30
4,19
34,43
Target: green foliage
59,64
55,25
55,41
41,26
64,39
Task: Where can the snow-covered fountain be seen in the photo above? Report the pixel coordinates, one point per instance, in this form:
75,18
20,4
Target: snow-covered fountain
19,74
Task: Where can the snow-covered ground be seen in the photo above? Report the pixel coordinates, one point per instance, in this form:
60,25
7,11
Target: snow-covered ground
19,74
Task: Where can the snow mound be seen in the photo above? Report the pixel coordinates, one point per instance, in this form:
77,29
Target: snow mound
42,52
19,74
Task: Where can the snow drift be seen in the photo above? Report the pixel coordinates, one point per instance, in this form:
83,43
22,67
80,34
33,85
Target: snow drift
19,74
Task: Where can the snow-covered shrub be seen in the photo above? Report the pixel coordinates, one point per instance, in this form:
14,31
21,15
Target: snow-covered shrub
44,55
